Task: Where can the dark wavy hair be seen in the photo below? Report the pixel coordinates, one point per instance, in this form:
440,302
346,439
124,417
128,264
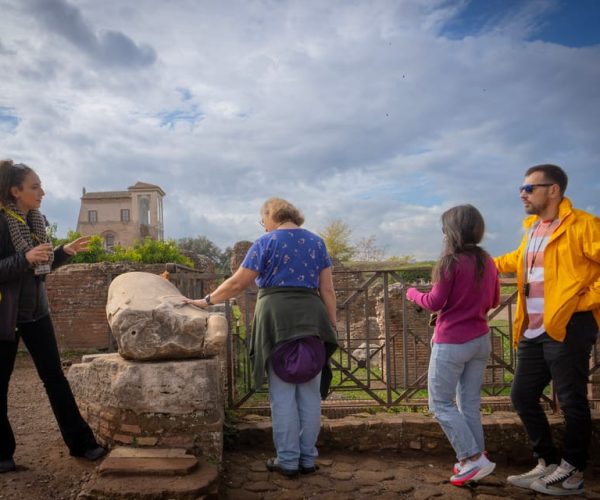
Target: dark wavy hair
11,175
463,227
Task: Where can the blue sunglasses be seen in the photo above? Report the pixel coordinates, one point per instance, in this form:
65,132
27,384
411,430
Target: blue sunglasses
529,188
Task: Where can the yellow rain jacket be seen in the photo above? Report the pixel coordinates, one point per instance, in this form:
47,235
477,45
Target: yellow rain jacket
571,271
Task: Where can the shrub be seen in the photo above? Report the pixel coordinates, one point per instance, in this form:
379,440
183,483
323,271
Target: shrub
147,252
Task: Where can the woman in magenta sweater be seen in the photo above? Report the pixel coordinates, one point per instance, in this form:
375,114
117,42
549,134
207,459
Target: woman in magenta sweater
465,288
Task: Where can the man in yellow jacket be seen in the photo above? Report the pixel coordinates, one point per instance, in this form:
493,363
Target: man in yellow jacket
555,327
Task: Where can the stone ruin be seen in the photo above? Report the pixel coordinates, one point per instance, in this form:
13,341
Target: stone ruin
163,389
150,322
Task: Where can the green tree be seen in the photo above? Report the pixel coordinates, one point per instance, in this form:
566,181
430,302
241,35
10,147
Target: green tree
96,251
51,232
225,267
337,239
203,246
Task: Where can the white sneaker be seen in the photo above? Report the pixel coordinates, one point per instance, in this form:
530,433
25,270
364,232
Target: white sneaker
473,470
460,465
525,480
565,480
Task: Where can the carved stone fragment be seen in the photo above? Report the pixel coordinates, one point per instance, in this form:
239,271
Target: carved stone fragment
149,322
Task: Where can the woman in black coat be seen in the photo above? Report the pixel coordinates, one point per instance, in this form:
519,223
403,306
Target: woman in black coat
26,256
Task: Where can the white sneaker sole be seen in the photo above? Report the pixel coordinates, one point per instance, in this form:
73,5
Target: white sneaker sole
554,490
521,482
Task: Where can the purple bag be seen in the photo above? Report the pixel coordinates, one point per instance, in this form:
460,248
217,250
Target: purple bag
299,360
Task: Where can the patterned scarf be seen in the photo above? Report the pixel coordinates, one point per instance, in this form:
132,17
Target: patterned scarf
28,231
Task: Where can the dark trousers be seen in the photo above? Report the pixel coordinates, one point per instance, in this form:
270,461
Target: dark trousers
567,365
41,343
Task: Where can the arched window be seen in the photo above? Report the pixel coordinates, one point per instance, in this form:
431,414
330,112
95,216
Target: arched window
109,241
144,208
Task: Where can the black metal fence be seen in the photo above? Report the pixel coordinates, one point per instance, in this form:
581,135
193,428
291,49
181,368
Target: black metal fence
385,343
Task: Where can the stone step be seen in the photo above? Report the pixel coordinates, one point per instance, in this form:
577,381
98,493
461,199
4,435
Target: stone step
148,473
203,482
127,452
163,466
125,461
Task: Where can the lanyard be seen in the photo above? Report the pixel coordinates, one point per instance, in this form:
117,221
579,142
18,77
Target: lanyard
536,250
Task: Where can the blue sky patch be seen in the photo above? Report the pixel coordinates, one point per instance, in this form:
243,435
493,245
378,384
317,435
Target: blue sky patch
572,23
170,118
8,119
185,94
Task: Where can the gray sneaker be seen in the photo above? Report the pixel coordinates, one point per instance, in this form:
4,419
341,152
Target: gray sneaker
565,480
527,479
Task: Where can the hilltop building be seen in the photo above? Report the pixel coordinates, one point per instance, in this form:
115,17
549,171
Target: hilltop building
122,217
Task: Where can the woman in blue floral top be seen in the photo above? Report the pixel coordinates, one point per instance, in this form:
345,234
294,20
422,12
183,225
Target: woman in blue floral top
293,330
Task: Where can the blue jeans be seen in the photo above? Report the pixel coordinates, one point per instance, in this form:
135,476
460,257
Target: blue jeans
454,383
296,415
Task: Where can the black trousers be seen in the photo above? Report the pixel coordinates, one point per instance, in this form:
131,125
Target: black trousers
41,343
567,365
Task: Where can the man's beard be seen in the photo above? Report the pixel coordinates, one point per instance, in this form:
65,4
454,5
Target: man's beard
536,210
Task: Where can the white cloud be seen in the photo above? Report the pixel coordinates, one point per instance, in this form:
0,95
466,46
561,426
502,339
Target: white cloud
364,111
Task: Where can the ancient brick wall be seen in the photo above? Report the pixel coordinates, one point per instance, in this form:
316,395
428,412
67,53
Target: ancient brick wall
505,437
415,344
151,403
355,305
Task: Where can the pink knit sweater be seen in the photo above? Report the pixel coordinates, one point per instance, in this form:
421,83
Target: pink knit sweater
461,300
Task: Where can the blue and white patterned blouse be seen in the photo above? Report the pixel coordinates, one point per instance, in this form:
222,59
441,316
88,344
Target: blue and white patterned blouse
288,257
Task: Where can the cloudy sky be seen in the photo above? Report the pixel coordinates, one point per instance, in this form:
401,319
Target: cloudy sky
381,113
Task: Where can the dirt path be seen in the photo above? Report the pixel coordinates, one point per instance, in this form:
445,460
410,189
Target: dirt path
46,471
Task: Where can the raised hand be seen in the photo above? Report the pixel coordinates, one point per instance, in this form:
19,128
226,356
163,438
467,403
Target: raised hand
79,245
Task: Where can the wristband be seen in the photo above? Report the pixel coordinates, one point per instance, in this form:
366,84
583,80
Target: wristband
207,299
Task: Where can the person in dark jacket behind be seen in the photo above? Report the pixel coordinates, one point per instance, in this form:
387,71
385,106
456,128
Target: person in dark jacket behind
26,256
293,330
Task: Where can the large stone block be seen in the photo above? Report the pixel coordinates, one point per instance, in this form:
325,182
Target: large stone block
165,403
148,320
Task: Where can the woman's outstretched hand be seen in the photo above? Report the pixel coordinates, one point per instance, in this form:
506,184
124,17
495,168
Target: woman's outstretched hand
78,245
194,302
